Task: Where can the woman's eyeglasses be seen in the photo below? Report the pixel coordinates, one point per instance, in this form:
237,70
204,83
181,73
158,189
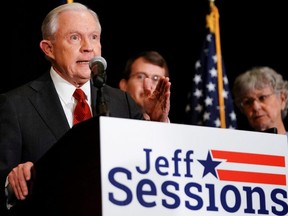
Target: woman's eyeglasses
249,101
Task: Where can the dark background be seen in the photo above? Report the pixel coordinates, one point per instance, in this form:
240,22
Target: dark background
253,33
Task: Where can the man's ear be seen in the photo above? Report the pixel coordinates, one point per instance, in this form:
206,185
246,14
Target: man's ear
46,47
123,84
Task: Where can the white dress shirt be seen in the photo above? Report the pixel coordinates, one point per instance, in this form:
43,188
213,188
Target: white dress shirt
65,92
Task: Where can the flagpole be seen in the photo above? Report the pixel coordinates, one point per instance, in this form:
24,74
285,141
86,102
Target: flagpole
215,18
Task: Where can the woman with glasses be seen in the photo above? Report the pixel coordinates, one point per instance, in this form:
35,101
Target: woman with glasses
261,94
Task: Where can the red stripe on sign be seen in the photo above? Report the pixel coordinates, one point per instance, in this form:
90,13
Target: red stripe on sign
252,177
249,158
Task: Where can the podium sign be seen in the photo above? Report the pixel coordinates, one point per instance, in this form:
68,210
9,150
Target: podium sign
160,169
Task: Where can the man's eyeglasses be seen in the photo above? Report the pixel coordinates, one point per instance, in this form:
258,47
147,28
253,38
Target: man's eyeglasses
141,76
262,99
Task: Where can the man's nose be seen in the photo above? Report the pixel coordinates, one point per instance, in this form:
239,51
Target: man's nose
87,46
149,84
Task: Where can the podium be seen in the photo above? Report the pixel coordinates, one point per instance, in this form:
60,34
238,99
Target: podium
159,169
66,180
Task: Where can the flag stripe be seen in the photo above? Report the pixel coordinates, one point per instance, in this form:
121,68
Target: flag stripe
249,158
252,177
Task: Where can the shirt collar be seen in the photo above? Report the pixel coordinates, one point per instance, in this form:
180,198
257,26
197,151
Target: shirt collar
65,89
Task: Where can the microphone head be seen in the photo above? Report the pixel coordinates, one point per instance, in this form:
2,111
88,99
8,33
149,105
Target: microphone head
98,61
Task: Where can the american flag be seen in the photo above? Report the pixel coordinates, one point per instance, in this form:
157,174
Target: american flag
205,103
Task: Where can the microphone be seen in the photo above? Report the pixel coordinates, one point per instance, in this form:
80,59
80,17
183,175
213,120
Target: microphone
98,66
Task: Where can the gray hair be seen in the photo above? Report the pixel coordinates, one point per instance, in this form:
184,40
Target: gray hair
50,23
259,78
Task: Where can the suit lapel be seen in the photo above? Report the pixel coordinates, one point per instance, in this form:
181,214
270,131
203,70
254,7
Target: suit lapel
47,103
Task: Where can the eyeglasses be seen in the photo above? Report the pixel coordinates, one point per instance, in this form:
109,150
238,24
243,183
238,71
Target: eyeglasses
140,76
262,99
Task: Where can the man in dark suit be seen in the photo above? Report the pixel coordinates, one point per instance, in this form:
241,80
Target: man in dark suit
36,115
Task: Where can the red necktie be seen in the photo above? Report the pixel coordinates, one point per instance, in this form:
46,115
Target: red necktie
82,110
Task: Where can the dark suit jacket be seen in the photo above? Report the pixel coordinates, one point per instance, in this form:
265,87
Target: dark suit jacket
32,120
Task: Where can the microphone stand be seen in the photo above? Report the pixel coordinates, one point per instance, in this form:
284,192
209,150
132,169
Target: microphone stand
101,106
